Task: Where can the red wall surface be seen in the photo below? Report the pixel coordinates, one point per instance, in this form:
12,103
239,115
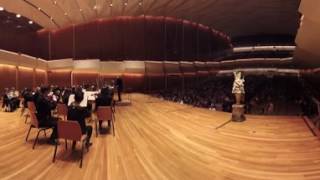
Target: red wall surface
59,78
120,38
25,76
40,77
7,77
83,78
134,83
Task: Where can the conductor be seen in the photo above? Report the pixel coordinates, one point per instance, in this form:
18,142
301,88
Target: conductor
119,85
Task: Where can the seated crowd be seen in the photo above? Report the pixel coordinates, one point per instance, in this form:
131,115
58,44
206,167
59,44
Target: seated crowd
47,98
10,100
278,95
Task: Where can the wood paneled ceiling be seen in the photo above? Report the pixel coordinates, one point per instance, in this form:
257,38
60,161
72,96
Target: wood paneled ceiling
307,53
234,17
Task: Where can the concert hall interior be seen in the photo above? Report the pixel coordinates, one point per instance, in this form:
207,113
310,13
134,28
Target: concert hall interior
160,89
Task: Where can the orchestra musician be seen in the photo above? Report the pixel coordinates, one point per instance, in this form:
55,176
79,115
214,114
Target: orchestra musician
119,85
44,105
104,99
79,114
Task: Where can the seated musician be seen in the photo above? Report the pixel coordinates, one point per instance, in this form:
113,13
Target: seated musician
13,99
104,99
78,113
36,94
44,105
5,103
27,97
65,95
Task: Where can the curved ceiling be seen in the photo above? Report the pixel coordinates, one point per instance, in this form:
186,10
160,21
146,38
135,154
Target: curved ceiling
308,37
233,17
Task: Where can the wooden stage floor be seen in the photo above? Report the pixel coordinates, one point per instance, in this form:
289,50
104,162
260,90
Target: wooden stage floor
161,140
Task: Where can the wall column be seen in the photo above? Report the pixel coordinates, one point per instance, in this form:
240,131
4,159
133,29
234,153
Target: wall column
17,77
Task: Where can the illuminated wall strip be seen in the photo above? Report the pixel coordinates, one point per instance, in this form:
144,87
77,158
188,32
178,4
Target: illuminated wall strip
25,68
263,48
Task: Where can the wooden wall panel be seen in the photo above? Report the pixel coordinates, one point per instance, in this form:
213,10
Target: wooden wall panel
7,77
134,83
174,81
60,78
25,78
155,82
82,78
105,79
40,77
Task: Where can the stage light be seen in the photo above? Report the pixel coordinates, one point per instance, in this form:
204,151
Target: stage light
30,22
18,15
1,8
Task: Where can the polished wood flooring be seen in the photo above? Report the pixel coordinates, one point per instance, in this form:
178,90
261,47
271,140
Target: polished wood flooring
161,140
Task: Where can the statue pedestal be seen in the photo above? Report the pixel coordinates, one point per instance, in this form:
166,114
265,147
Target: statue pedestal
238,113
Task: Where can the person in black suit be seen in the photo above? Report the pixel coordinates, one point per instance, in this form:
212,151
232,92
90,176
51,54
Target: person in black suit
5,100
27,97
44,106
79,114
119,85
104,99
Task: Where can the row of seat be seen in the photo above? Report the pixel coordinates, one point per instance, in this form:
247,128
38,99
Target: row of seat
68,130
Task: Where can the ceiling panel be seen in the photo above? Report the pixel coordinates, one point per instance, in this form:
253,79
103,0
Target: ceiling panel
234,17
308,38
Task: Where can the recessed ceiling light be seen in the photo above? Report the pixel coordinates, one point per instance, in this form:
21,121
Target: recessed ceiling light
95,7
1,8
30,22
18,15
111,5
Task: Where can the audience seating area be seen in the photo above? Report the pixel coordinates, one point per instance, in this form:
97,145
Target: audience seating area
265,95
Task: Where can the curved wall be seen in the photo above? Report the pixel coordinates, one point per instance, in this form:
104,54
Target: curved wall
134,38
22,71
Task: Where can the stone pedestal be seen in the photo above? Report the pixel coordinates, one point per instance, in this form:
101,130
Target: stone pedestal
238,113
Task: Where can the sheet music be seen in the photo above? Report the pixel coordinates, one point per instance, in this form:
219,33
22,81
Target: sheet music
83,103
91,95
87,96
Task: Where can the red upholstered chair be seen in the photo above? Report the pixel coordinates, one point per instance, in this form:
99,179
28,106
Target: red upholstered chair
105,113
62,110
35,124
70,130
32,107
